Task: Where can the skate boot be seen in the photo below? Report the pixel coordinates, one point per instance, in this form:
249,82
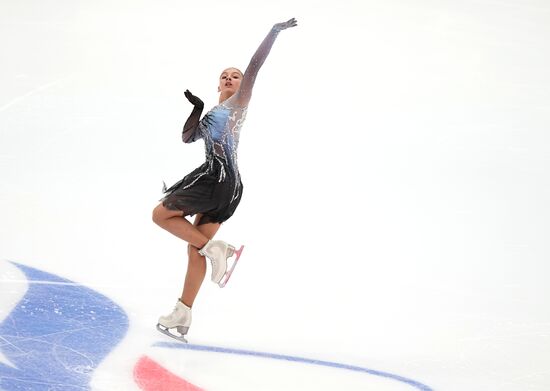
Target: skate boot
179,319
219,252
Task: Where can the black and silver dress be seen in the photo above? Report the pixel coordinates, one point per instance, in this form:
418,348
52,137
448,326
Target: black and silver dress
214,189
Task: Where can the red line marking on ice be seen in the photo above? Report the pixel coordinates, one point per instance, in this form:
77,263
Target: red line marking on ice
150,376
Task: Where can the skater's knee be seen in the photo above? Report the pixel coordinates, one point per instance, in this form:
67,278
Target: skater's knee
156,215
160,214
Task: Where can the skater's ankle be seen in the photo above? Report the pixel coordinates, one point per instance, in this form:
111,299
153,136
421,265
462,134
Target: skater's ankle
184,303
202,244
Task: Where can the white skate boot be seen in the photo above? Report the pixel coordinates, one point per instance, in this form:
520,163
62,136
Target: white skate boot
219,252
179,319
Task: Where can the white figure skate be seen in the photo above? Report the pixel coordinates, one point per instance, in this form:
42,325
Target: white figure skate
179,319
219,252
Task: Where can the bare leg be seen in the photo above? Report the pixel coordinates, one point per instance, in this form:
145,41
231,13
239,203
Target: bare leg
196,268
174,222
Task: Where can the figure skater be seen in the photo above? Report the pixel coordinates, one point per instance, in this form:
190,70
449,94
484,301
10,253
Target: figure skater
213,191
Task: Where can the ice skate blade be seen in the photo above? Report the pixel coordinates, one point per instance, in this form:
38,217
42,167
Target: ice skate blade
167,332
228,273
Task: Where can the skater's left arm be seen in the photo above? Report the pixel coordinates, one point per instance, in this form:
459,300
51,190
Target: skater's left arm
245,91
191,131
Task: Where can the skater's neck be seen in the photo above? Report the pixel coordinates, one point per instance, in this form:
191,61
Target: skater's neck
225,95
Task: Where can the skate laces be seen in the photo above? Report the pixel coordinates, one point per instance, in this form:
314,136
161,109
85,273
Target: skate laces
176,307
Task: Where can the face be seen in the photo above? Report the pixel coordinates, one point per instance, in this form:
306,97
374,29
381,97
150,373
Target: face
230,80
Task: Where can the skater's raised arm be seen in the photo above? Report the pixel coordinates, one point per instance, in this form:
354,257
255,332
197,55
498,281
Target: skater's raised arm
191,131
245,91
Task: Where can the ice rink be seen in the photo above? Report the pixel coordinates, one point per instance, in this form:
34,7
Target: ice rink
396,207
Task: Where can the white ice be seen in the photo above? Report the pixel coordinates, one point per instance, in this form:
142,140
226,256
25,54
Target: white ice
396,169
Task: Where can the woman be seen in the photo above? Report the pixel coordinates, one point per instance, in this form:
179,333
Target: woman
212,191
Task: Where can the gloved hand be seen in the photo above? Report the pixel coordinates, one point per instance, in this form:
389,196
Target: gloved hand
195,101
285,25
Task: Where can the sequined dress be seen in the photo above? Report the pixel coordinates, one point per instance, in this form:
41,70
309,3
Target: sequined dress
214,189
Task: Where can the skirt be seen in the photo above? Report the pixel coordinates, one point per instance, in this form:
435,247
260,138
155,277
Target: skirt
211,190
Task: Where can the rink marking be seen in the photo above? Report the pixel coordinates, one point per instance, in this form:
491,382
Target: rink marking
303,360
57,334
42,282
150,376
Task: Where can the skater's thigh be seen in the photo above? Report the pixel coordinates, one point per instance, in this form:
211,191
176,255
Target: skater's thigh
162,213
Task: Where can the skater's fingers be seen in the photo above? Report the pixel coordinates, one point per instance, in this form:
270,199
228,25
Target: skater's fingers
189,96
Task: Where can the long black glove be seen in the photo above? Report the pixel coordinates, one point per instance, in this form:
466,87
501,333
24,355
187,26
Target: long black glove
191,131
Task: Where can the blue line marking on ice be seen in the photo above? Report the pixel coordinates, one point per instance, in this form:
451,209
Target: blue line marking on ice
57,335
274,356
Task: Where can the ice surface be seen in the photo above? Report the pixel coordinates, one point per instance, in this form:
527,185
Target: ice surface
395,161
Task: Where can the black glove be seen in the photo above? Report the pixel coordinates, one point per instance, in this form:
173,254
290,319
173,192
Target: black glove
195,101
191,131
